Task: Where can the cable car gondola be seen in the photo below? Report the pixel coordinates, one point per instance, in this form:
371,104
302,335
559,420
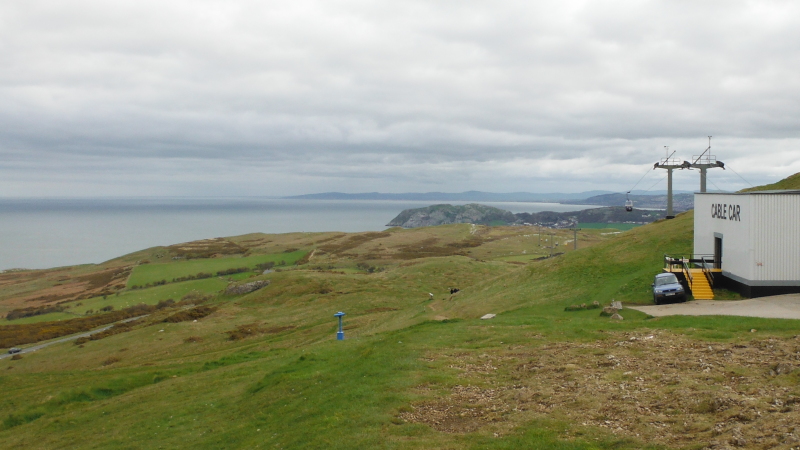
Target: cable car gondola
628,203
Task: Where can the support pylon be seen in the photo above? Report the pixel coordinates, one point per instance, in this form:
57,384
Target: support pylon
670,165
705,162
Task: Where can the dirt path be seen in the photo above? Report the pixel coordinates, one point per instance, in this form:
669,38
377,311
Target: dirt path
776,307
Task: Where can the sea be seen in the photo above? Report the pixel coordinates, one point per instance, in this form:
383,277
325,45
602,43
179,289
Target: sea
47,233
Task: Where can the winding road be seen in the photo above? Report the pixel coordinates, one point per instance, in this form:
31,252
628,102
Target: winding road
69,338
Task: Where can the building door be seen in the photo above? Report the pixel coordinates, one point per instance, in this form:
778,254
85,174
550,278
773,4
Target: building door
718,253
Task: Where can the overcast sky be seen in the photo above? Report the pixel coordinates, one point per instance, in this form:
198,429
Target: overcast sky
139,98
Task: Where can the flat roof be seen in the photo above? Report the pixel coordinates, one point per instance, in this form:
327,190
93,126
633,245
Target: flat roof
772,192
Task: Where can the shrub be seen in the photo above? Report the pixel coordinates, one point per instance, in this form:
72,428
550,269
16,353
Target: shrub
304,260
233,271
265,266
33,311
195,313
244,331
246,288
13,335
111,360
194,298
14,420
116,329
366,267
253,329
165,303
107,308
16,357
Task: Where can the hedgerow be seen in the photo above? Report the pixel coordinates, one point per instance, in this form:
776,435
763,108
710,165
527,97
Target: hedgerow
19,334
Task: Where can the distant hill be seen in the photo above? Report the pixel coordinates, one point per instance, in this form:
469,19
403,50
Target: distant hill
791,182
468,196
447,214
680,202
486,215
609,215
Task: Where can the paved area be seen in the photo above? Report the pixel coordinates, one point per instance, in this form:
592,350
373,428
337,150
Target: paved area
775,307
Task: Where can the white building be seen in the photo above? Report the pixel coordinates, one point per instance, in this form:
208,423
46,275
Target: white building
753,237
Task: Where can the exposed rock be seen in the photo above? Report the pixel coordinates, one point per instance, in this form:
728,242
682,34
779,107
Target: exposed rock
738,441
608,311
487,316
616,316
246,288
782,369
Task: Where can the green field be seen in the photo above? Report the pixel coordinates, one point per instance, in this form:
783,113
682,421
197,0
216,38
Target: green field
415,373
602,226
150,273
126,298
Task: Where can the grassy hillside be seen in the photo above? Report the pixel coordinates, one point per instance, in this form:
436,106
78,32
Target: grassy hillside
151,273
791,182
265,370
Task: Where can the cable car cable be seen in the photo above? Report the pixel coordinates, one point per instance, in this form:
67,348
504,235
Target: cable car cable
715,185
654,185
728,166
640,180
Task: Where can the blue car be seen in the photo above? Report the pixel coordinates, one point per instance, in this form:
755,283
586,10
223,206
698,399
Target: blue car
666,287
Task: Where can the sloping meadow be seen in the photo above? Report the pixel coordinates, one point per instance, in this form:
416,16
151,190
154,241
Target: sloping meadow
265,370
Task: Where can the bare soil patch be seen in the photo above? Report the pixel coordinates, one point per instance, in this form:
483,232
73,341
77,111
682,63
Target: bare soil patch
255,329
352,242
656,387
206,248
38,288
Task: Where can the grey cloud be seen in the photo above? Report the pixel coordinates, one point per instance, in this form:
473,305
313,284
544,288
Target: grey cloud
341,93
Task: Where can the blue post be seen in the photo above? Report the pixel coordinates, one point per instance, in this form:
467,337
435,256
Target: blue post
340,334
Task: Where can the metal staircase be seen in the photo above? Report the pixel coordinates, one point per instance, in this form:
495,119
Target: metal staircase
699,285
700,279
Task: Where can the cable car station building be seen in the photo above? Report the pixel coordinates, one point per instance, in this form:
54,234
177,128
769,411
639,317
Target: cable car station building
753,239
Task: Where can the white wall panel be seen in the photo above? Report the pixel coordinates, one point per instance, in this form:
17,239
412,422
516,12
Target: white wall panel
776,237
761,243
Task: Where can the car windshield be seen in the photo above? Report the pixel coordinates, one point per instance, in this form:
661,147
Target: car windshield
669,279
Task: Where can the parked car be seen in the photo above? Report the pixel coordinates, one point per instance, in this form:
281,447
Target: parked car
667,287
14,350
